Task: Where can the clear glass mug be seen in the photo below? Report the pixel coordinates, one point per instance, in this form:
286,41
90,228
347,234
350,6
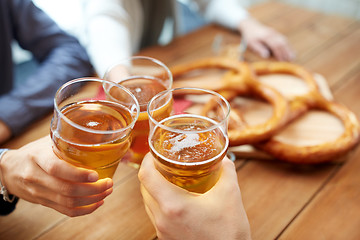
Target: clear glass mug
92,124
188,136
144,77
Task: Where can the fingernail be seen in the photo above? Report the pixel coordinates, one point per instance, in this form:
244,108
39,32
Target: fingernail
93,177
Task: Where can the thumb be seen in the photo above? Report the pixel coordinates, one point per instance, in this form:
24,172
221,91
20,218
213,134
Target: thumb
228,182
156,185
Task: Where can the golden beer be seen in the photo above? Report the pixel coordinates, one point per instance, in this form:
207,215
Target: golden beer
143,89
189,151
95,142
144,77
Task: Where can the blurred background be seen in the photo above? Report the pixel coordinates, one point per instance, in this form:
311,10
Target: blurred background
347,8
73,17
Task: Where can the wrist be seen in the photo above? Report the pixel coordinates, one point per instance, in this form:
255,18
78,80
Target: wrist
3,191
247,23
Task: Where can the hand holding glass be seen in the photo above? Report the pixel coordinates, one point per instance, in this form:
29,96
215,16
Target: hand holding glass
92,124
190,141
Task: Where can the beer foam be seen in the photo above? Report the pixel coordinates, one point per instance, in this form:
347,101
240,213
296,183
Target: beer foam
184,141
92,124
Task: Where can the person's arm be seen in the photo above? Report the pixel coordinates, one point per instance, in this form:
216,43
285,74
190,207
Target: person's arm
228,13
61,59
179,214
112,31
34,173
261,39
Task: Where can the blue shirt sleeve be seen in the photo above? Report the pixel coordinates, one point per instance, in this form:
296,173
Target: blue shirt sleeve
60,56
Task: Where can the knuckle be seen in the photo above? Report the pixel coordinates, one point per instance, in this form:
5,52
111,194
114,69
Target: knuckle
34,193
51,167
30,156
173,210
28,176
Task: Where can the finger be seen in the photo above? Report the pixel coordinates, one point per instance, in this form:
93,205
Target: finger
289,54
57,167
260,49
36,193
73,212
151,206
275,50
81,189
44,194
279,47
156,213
157,186
281,54
149,213
73,202
228,181
66,188
153,221
64,170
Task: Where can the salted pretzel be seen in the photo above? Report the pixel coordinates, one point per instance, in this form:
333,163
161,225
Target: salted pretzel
238,80
301,104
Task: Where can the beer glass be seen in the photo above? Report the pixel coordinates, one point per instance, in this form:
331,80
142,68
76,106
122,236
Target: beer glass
92,123
144,77
190,141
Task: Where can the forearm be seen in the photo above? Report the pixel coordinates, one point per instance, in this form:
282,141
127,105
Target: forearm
61,58
112,31
228,13
34,97
108,45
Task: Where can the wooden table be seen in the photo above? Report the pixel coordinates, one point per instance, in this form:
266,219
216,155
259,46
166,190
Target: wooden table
283,201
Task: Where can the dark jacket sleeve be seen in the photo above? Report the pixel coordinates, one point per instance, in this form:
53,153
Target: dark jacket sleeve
60,56
6,207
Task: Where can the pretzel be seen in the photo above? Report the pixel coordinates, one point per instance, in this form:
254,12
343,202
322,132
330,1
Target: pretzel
301,104
242,71
238,81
